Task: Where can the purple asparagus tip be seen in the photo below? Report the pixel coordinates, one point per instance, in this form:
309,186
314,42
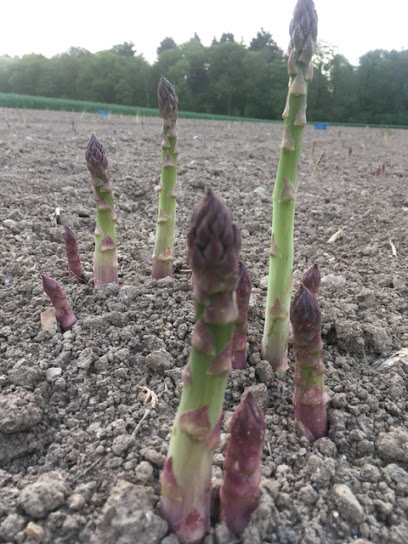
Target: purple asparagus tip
63,311
97,161
167,100
311,278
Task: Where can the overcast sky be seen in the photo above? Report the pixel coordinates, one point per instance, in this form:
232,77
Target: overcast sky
51,26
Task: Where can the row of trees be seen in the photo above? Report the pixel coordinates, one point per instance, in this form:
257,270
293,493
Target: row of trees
224,78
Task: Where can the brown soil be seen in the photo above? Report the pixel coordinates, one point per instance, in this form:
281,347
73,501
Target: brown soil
82,441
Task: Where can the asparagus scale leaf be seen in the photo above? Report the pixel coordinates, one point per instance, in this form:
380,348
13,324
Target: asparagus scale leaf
303,33
309,398
166,219
63,310
105,264
242,466
214,243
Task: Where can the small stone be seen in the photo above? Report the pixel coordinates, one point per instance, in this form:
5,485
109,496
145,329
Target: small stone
332,280
76,501
34,532
347,504
159,361
49,321
144,471
393,446
52,373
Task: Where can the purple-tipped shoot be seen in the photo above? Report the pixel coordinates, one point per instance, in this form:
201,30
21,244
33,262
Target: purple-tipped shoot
303,34
62,307
214,243
166,220
309,398
311,278
105,264
71,250
239,341
239,492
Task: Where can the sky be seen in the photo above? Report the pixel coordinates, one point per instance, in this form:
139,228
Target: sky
50,27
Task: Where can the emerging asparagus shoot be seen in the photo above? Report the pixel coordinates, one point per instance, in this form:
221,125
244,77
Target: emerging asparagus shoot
74,262
303,32
166,220
105,264
62,307
309,399
239,343
214,243
242,475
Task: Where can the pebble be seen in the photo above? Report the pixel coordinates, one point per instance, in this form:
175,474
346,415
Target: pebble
53,372
34,532
332,280
348,505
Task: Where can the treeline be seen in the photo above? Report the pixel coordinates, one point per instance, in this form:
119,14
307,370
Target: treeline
225,78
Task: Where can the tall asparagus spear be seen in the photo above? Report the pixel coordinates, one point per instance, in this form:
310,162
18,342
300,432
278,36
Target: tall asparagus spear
309,399
74,262
166,220
214,243
63,310
105,264
303,32
242,466
239,340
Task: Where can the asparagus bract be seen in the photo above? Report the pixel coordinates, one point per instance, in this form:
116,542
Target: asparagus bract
309,398
105,264
214,243
62,307
242,466
303,32
239,343
166,220
71,250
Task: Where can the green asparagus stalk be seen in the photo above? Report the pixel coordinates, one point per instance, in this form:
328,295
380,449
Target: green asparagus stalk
62,307
309,398
74,262
239,341
214,243
303,32
166,220
242,466
105,264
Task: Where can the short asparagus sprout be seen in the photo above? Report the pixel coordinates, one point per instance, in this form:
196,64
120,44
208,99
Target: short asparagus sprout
63,310
214,243
105,264
239,340
310,398
74,262
166,220
303,33
242,466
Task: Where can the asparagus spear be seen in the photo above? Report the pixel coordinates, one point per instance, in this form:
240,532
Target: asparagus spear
242,475
214,243
63,311
105,264
239,344
166,220
303,32
74,262
309,399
